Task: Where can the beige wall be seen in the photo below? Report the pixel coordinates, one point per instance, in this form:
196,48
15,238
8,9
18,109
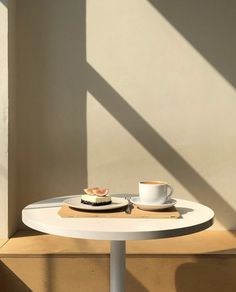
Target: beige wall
12,125
122,91
3,120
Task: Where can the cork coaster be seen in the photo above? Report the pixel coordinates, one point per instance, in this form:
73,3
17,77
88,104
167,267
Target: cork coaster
68,212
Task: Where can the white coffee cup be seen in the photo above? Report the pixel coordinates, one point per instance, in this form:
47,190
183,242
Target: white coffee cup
155,191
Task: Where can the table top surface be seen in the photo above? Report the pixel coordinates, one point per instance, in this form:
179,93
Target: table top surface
42,216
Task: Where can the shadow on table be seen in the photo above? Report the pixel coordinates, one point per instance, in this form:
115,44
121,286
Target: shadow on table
52,202
208,274
183,210
9,282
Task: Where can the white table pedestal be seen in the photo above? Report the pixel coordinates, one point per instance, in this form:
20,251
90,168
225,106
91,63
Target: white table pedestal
117,266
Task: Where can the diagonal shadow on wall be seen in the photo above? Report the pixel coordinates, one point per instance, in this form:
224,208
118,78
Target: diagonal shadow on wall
4,2
209,26
157,146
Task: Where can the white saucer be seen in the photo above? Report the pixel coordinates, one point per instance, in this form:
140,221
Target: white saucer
152,206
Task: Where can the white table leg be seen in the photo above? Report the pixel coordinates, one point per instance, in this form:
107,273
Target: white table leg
117,266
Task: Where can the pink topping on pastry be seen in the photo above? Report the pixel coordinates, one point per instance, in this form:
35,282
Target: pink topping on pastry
101,192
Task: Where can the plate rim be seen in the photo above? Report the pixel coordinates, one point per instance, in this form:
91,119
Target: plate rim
96,208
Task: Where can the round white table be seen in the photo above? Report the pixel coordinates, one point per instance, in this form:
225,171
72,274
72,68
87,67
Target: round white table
42,216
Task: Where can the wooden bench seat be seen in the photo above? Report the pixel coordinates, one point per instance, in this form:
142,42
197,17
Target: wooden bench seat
205,261
36,243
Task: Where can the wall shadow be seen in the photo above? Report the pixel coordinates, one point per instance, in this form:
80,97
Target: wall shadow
9,282
12,126
51,99
208,274
164,153
209,26
4,2
133,284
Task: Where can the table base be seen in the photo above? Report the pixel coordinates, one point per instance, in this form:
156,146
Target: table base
117,266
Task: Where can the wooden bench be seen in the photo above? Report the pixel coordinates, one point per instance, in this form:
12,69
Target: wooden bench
205,261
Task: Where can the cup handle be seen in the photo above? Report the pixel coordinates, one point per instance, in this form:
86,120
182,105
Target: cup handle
170,193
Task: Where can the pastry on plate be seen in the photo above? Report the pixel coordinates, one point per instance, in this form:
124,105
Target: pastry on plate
96,197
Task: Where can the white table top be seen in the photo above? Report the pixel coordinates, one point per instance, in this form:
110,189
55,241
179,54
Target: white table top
42,216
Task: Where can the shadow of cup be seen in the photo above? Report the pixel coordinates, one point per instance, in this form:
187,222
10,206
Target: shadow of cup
183,210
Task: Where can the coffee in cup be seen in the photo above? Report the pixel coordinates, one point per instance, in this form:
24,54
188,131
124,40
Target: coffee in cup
157,192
